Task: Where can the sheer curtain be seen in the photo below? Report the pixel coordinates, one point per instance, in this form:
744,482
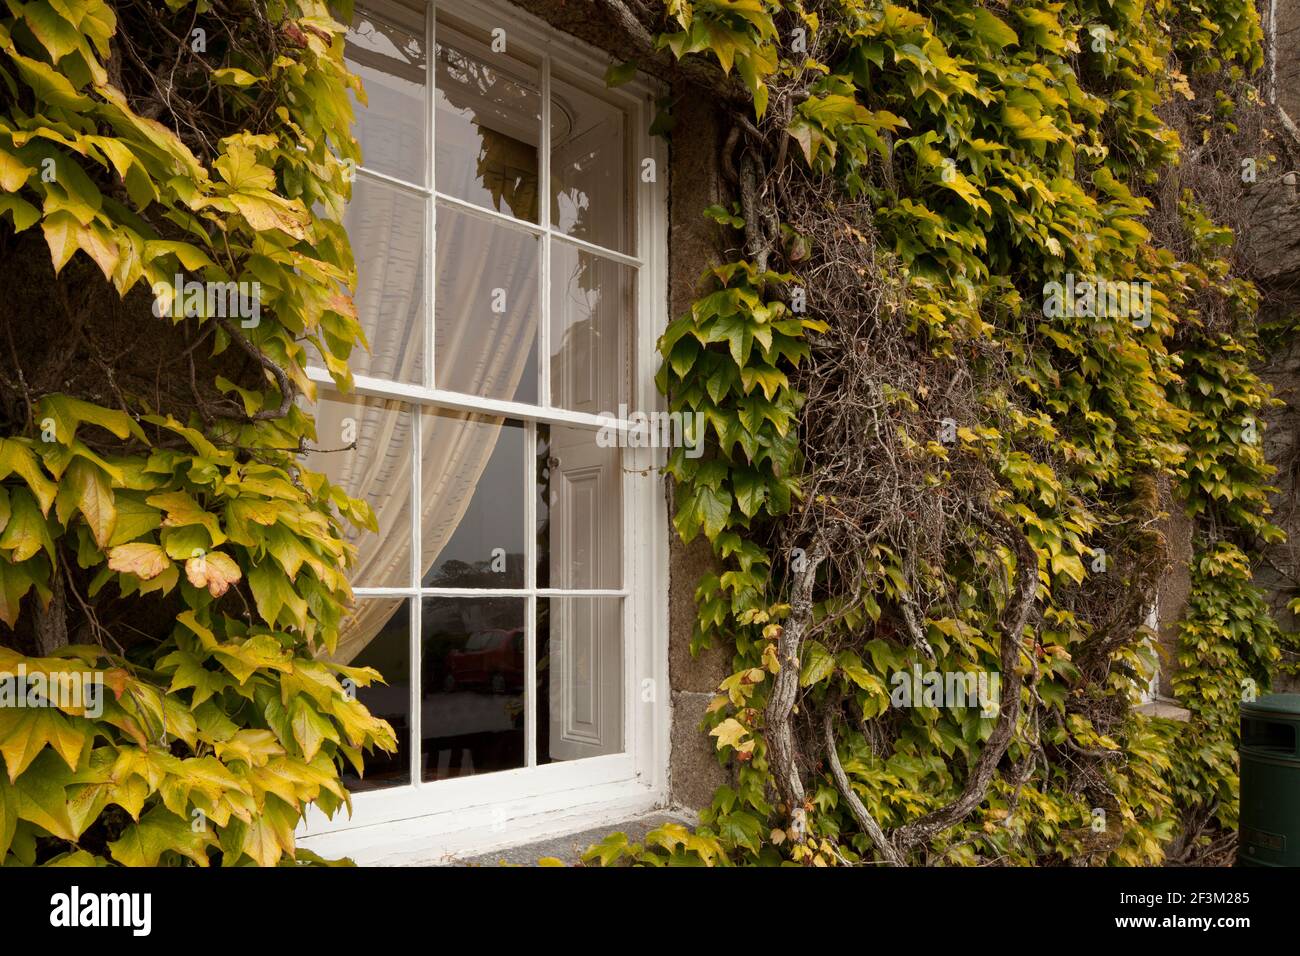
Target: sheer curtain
473,257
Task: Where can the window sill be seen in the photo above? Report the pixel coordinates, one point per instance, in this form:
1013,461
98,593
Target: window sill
448,837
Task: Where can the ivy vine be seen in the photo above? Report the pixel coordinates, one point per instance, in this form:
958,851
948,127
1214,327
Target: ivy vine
913,466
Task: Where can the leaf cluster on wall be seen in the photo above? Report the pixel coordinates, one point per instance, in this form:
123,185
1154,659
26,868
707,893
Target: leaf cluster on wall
158,531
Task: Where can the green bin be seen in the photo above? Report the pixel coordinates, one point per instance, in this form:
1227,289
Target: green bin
1270,782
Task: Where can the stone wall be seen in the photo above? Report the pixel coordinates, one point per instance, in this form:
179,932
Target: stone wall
693,243
1273,243
1282,23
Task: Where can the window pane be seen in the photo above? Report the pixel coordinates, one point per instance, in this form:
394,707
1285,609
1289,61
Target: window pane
474,479
378,634
485,323
386,228
472,697
488,124
386,49
593,311
365,449
579,511
589,168
579,677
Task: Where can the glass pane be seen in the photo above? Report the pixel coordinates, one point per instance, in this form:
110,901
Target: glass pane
579,678
364,447
485,323
378,634
472,689
579,509
593,312
387,51
488,124
387,230
589,168
473,481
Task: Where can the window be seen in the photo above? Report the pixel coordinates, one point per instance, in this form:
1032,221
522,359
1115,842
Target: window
509,257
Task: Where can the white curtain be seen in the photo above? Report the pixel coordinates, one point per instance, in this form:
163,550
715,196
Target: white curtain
474,259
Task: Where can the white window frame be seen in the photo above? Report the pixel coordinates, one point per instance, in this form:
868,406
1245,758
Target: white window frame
423,821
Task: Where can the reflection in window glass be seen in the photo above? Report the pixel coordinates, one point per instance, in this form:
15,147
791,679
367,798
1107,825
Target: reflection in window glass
365,449
387,51
579,678
485,320
472,680
489,120
378,634
579,510
589,168
474,475
592,315
386,229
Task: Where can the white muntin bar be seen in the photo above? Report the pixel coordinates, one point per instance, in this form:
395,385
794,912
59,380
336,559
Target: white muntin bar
530,606
409,187
460,401
544,217
414,721
363,592
431,207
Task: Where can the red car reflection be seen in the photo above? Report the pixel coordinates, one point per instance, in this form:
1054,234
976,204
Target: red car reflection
492,659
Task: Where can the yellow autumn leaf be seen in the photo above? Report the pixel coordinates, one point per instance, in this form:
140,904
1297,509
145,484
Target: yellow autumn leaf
140,558
729,733
13,172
